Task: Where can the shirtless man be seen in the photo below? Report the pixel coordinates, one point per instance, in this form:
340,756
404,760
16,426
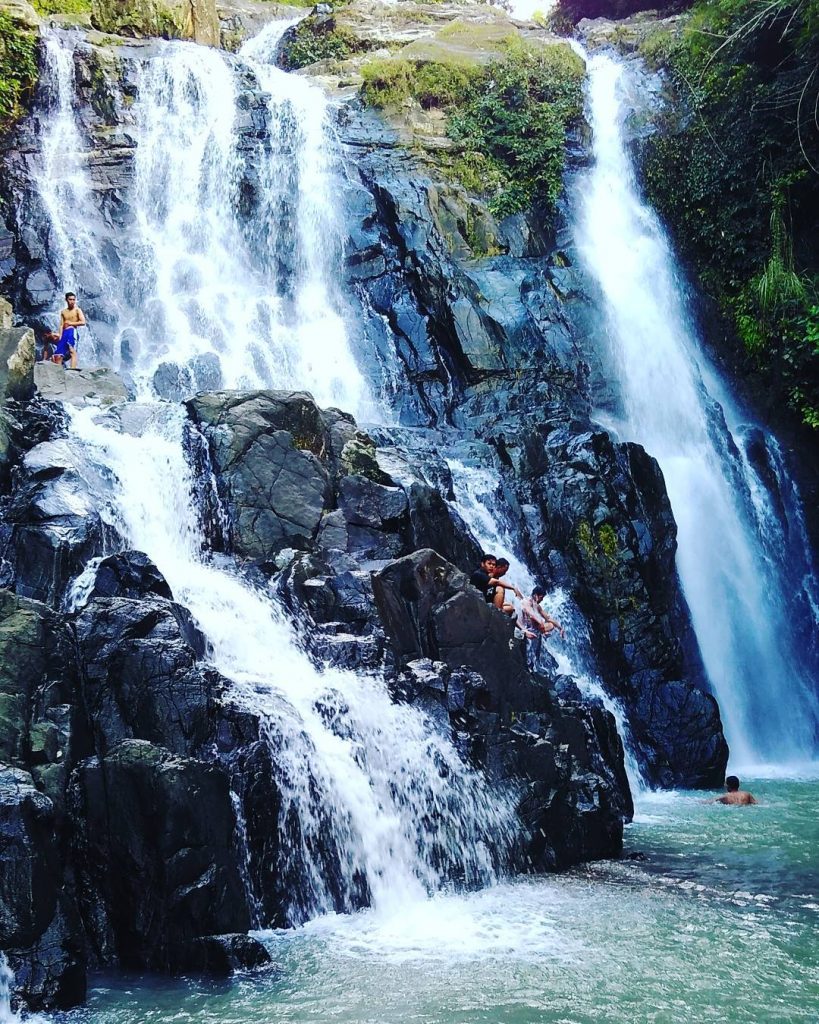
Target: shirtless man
735,795
533,617
71,319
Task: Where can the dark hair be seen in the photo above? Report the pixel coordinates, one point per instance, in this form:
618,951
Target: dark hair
488,558
69,295
539,590
732,783
502,561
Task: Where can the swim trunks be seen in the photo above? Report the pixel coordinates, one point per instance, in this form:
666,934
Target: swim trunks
68,340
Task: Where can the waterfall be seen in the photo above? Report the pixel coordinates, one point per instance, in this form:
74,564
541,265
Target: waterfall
404,813
223,274
737,588
375,788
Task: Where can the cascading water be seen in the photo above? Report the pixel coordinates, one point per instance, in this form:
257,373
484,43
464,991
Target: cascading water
737,596
373,786
223,275
400,805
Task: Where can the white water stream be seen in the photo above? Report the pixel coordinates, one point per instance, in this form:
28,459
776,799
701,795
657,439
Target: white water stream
372,784
736,594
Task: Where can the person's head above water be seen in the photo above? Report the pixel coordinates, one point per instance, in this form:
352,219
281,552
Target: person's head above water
70,298
502,566
732,783
488,562
539,593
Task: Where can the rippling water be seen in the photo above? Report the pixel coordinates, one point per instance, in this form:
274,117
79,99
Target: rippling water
718,923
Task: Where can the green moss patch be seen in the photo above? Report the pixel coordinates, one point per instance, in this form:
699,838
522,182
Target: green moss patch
18,68
319,37
73,7
508,119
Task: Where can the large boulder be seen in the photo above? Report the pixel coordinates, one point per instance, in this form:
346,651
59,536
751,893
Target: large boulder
56,526
38,930
265,448
29,876
462,664
172,19
140,676
154,844
429,609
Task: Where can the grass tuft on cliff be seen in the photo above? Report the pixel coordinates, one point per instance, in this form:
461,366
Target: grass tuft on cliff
509,118
18,68
738,180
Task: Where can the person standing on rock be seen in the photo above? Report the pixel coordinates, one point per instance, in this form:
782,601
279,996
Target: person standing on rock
71,319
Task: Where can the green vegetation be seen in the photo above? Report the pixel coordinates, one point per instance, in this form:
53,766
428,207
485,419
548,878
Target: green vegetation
508,118
18,68
46,7
318,37
738,180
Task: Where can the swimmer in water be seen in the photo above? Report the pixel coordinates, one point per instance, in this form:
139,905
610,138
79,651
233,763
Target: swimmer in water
734,795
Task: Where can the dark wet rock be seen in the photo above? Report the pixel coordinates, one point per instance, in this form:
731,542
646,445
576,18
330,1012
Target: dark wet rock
221,955
429,609
140,677
28,860
39,930
129,574
54,515
153,840
265,448
461,660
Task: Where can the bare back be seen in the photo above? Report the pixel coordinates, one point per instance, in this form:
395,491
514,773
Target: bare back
739,798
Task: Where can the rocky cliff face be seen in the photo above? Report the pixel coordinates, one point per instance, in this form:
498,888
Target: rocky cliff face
140,804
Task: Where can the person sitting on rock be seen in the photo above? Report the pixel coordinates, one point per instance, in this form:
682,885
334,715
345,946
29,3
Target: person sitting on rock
71,319
499,600
533,619
735,796
483,578
50,339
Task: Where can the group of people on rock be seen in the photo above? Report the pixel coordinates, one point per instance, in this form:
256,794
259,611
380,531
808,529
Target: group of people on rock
532,619
61,347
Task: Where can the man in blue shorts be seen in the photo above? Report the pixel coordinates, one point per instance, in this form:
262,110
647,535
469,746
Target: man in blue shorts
71,319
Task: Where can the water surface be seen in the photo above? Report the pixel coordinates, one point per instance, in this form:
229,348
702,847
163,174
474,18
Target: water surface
718,923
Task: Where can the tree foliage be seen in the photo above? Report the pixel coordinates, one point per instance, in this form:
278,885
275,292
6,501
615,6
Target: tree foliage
738,177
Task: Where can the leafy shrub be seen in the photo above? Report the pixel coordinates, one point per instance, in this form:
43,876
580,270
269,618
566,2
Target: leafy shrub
509,119
318,38
516,116
736,179
18,68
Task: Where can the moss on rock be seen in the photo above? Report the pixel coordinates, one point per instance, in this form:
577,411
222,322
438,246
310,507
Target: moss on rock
18,60
171,19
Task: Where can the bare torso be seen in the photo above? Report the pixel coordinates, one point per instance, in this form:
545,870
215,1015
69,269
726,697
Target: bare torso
72,318
739,798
